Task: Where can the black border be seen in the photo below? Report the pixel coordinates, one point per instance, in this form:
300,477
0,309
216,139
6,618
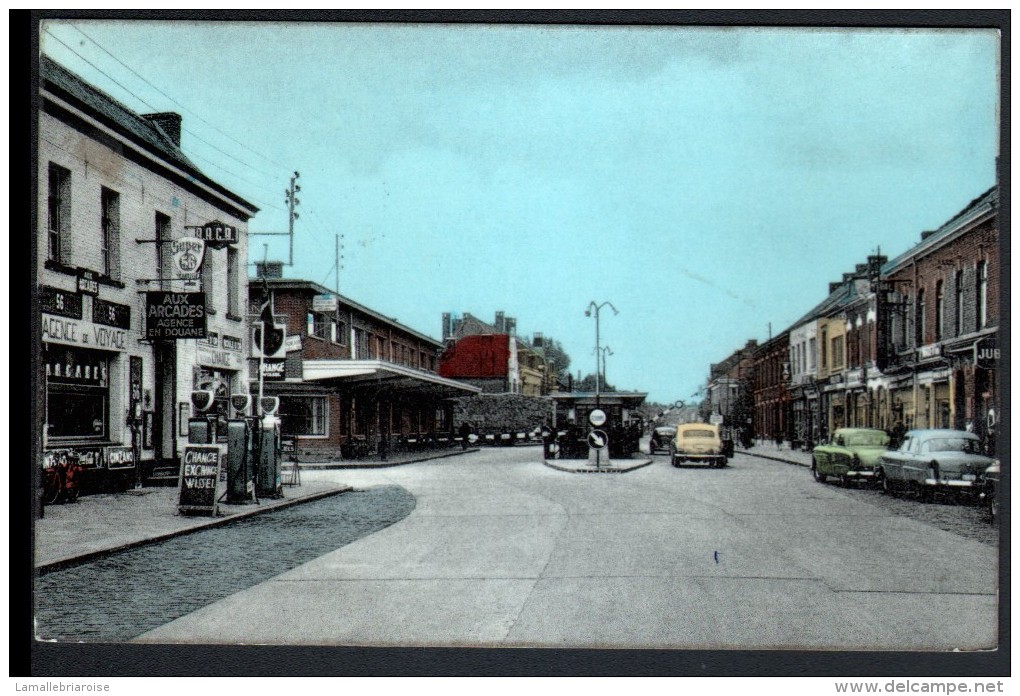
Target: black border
182,660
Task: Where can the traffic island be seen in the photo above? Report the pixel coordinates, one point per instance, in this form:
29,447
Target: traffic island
584,466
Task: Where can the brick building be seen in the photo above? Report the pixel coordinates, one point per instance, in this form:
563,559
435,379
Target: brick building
730,389
492,357
770,377
942,297
350,379
115,190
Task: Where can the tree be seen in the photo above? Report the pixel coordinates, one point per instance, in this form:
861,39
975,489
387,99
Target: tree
557,357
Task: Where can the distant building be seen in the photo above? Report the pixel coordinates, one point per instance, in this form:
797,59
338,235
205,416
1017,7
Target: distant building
492,357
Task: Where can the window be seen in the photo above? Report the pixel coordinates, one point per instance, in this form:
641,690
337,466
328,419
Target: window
940,313
824,356
77,394
233,283
319,326
305,416
59,234
919,327
982,294
341,333
208,282
837,352
812,353
958,319
109,238
163,254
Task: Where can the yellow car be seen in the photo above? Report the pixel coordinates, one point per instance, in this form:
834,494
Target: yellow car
697,442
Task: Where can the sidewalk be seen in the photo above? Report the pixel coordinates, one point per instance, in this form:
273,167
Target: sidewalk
768,450
102,523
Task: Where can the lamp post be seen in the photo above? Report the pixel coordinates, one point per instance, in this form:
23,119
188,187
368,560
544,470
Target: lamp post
604,351
596,308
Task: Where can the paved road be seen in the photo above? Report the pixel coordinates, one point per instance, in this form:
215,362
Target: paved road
503,551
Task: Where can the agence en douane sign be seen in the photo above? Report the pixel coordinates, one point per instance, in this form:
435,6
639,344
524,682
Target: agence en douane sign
174,315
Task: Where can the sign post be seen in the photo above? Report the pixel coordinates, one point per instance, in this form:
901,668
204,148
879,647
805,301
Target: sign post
597,439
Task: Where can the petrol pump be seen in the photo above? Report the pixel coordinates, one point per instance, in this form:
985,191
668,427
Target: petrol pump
269,481
241,440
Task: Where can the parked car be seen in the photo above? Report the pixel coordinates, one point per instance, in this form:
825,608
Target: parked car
660,438
990,491
697,442
934,460
851,454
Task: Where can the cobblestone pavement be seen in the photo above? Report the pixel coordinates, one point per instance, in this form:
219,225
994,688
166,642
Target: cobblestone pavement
125,594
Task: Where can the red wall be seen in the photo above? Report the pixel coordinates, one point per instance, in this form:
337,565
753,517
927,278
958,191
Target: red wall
477,356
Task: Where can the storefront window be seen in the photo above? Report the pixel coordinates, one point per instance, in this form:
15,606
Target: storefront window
304,416
77,394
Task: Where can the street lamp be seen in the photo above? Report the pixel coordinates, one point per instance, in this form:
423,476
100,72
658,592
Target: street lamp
604,350
596,308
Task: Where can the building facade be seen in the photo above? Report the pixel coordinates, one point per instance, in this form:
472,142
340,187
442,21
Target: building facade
115,192
492,356
350,381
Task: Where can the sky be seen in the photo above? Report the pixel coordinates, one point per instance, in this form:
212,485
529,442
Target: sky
709,183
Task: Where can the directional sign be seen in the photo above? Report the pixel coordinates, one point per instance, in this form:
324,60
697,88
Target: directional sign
597,439
597,417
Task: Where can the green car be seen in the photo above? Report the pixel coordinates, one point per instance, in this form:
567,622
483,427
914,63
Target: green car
850,455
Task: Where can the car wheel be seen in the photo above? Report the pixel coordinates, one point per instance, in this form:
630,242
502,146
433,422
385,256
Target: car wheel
887,485
993,508
820,477
53,484
845,481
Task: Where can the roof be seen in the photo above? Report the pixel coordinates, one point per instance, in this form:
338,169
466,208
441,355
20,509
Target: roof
63,83
312,288
988,200
384,375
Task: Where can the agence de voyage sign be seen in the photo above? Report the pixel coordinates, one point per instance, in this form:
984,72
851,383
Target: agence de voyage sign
174,315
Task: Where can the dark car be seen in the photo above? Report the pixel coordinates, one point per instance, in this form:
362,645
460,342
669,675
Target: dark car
934,460
661,438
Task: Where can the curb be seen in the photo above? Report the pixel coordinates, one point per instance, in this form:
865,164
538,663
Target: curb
775,459
323,466
215,522
589,470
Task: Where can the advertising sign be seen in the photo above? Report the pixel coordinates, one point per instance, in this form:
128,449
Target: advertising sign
119,458
87,283
60,303
174,315
85,334
202,474
986,353
216,234
111,314
187,254
324,303
273,369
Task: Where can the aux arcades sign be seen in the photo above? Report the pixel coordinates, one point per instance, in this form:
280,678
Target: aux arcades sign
174,315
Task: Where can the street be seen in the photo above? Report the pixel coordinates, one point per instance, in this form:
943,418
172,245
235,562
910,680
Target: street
501,550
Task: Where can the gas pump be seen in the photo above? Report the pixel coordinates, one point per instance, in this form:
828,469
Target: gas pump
202,428
241,460
269,481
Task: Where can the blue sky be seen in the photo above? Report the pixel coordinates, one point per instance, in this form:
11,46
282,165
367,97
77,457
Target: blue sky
708,182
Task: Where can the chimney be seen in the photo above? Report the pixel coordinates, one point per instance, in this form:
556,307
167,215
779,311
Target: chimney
169,123
860,269
447,325
500,322
538,341
269,269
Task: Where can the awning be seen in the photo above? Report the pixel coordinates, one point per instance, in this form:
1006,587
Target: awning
380,374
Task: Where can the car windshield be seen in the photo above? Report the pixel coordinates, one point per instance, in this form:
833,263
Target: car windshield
699,433
952,444
872,439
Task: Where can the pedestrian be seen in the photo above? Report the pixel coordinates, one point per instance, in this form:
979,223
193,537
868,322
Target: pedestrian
896,436
464,433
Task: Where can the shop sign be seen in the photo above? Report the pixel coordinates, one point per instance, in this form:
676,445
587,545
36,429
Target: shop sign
324,303
202,478
292,343
60,302
87,283
88,458
273,369
119,458
212,357
986,353
932,350
216,234
231,342
85,334
174,315
187,254
111,314
211,339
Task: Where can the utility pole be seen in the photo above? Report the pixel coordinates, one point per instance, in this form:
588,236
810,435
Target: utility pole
292,202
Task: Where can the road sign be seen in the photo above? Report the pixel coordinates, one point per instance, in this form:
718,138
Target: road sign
597,417
597,439
716,419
